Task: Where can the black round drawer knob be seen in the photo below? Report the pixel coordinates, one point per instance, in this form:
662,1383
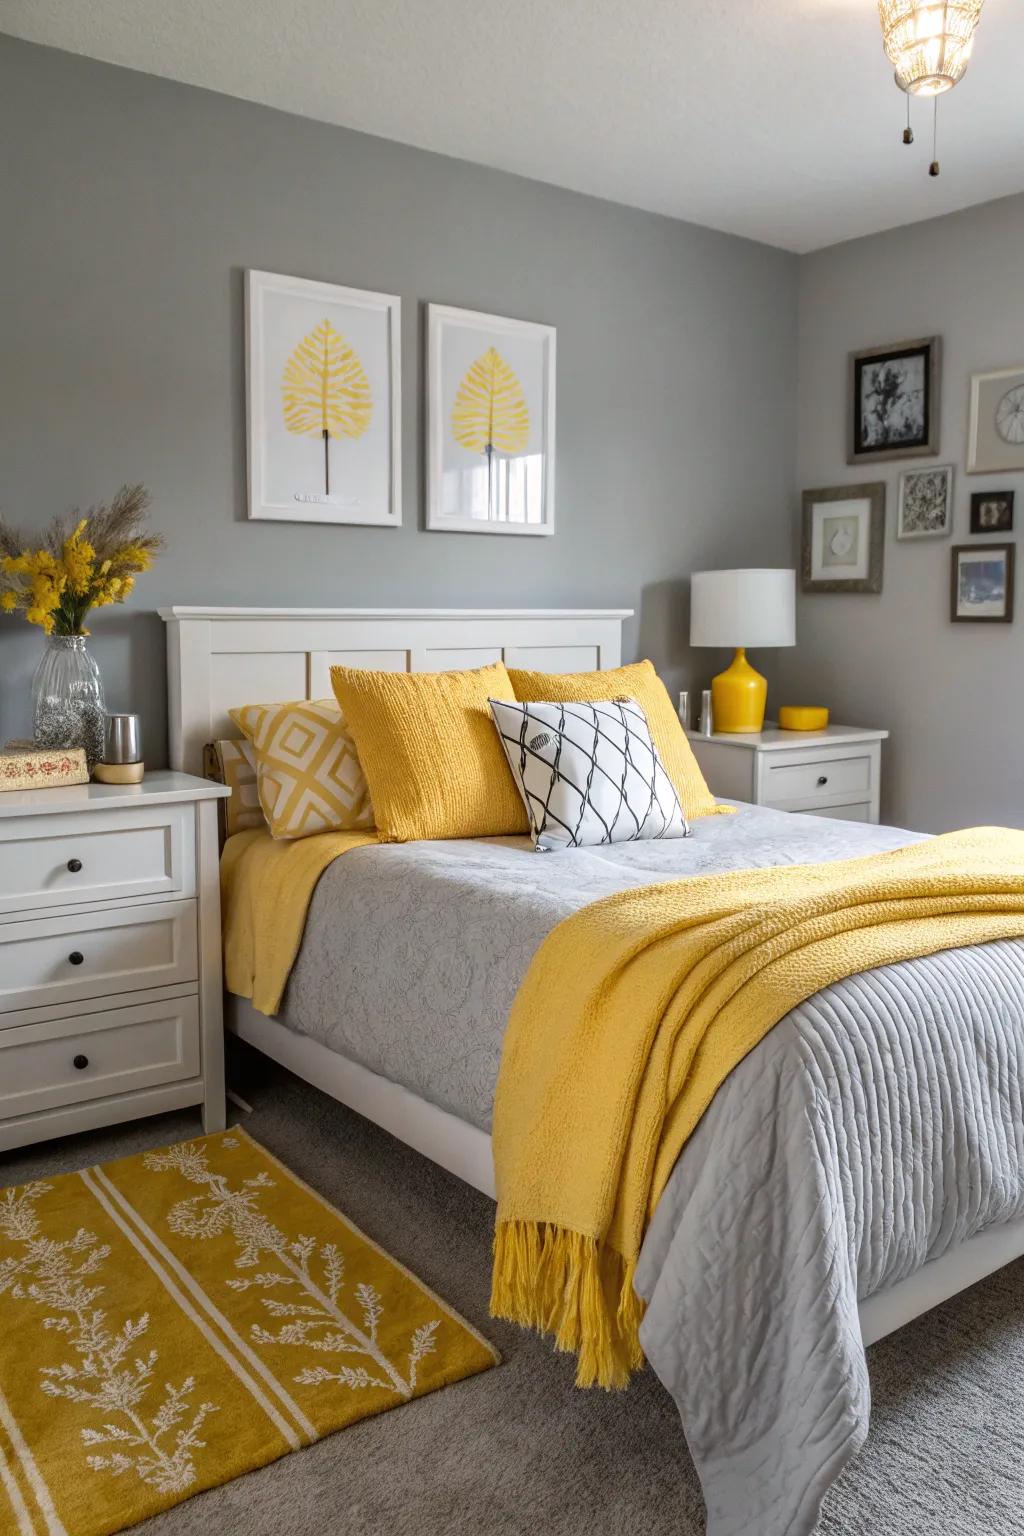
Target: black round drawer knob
74,865
823,779
76,957
81,1062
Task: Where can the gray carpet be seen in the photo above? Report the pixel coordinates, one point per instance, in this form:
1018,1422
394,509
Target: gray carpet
517,1451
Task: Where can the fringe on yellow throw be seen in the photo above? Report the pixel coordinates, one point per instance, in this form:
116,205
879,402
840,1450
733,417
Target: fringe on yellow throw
266,887
632,1015
576,1289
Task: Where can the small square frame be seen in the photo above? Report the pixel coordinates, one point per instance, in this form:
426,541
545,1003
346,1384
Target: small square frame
979,499
925,533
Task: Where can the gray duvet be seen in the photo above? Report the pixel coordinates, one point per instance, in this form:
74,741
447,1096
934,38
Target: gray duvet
878,1124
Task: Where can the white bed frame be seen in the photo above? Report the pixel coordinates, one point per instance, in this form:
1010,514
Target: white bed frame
220,657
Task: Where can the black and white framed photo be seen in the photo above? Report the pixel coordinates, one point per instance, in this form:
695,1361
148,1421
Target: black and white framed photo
843,546
490,423
995,435
323,400
992,512
982,584
893,407
926,503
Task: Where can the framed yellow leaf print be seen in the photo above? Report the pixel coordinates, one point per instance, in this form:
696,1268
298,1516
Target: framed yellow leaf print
490,423
323,402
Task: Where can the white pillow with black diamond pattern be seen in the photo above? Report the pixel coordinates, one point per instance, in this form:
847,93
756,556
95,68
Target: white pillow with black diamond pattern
588,773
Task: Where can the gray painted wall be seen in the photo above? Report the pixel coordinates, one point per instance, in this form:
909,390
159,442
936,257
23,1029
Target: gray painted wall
131,207
951,694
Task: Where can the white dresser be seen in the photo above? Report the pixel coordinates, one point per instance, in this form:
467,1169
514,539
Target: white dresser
835,772
110,955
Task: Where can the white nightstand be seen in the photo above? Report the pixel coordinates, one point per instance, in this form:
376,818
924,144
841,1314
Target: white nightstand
110,955
834,772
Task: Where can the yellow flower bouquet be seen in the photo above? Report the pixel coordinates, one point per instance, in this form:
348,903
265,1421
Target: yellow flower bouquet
77,567
82,563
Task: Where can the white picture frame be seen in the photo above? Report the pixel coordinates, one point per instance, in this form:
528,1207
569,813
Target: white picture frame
506,487
989,450
925,509
353,473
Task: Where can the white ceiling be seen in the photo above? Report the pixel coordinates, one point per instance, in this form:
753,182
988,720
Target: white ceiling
776,119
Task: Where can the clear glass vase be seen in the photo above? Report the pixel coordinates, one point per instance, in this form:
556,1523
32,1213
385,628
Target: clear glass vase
67,697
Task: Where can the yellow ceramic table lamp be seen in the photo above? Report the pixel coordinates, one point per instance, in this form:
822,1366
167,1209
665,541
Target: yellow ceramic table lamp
741,608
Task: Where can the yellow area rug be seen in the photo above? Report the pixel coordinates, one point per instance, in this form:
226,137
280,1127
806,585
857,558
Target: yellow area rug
175,1319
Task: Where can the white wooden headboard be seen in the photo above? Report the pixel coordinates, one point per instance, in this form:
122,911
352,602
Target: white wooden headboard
221,657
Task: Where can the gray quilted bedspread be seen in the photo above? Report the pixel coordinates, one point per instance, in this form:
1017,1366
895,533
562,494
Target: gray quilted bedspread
878,1124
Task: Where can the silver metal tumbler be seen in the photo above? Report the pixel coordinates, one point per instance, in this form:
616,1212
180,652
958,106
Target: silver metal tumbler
122,739
707,724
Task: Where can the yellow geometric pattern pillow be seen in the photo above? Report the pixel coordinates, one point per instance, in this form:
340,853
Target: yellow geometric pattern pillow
308,772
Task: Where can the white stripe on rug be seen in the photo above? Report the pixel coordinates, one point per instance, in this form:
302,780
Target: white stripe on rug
32,1473
26,1526
196,1290
190,1312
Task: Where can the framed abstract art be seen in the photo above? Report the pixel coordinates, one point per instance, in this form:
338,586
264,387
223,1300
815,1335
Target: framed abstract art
893,405
926,503
490,423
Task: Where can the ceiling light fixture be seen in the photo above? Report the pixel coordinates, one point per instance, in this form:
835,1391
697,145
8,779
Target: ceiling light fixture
929,43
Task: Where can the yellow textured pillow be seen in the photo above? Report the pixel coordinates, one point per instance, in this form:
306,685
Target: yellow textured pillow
307,769
430,752
638,681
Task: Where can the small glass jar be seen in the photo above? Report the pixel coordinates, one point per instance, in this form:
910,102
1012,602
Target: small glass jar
67,697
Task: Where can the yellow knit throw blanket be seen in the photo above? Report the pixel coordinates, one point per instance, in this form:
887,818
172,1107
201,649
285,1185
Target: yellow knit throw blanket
266,887
633,1013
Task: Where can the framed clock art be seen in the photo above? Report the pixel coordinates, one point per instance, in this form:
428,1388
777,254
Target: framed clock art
995,436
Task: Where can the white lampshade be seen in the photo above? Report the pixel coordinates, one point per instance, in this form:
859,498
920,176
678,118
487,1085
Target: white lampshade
749,608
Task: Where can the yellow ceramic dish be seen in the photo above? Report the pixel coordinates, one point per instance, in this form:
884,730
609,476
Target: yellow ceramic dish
802,717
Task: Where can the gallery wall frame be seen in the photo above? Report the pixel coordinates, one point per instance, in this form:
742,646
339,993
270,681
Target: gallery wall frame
925,504
893,401
843,542
995,431
982,583
992,512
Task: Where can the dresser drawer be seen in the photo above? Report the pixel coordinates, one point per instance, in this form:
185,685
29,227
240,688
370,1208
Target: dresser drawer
823,779
95,856
126,949
68,1061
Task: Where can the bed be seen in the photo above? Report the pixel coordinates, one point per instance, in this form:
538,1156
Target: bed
822,1315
